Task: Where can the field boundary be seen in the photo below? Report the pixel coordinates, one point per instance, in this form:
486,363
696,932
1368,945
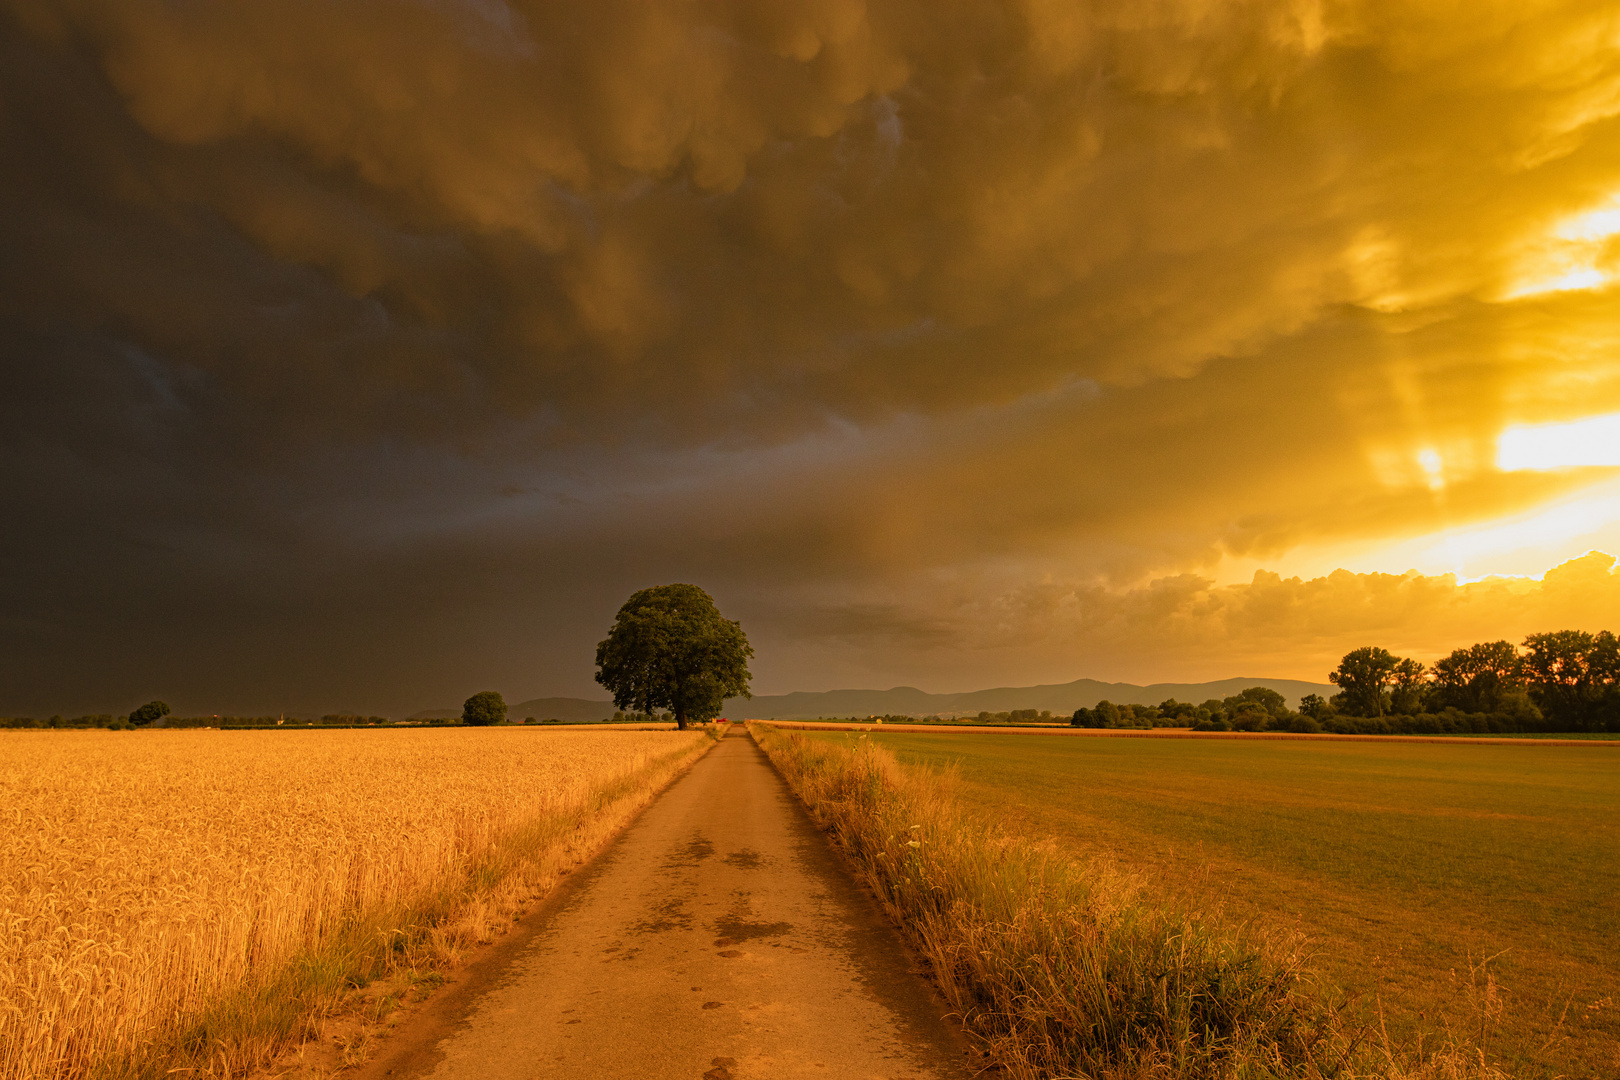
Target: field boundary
1175,733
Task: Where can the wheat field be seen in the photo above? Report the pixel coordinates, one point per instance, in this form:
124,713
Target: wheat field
142,875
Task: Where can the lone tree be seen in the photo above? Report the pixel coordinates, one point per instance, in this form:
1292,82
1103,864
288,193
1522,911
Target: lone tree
148,713
670,648
484,708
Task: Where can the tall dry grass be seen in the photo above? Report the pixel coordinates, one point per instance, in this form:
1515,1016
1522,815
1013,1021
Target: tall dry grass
187,899
1062,968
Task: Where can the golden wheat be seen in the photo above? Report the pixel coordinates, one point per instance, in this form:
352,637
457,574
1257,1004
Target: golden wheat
142,875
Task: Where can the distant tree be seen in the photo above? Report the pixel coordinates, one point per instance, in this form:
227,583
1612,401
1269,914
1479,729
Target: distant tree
670,648
1574,677
1250,716
1315,706
1264,696
1407,687
483,709
148,713
1363,679
1178,712
1478,678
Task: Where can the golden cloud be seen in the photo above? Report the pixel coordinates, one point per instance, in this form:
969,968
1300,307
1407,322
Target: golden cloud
830,296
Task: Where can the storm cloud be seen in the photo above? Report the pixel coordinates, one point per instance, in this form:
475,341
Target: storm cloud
367,355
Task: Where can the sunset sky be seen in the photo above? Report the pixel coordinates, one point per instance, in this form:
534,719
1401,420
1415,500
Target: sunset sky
365,355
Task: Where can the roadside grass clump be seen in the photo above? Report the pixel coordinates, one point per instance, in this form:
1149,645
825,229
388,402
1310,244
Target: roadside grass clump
1068,968
196,903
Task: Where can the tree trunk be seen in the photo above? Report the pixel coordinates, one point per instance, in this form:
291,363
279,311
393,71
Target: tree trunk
680,721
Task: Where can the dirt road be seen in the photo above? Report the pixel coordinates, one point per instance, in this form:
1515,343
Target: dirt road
717,938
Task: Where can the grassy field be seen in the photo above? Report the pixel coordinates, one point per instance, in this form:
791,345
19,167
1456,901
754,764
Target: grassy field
1561,736
189,900
1404,864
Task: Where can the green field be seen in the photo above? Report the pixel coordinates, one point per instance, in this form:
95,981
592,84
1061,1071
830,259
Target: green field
1403,864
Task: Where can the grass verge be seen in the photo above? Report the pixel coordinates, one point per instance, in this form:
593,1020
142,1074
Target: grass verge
1403,864
1067,968
410,947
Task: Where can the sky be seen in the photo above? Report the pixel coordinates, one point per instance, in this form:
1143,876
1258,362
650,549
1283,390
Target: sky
363,356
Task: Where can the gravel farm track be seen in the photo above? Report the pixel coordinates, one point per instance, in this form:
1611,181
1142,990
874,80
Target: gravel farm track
719,936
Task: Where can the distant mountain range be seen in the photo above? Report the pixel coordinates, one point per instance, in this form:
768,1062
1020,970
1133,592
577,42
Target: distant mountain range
1060,698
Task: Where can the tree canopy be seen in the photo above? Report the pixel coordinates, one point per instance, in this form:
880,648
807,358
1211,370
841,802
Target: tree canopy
670,648
149,713
1476,679
1576,676
484,708
1363,680
1564,680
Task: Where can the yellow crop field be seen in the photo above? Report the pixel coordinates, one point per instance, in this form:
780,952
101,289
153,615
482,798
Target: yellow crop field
143,875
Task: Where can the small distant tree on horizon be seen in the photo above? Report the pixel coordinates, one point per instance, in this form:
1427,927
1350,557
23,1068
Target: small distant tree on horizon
483,709
149,713
670,648
1268,700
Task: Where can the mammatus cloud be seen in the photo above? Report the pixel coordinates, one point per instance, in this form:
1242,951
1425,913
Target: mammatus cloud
362,349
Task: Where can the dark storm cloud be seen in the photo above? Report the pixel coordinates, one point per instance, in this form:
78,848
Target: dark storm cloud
378,349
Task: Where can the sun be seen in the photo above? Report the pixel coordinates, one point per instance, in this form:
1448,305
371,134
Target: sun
1594,441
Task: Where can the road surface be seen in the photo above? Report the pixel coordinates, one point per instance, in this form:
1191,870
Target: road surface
718,937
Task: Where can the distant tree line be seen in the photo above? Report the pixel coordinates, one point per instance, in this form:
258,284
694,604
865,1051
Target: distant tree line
1011,716
124,723
144,716
1259,708
91,720
329,720
1563,681
1566,680
1016,716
